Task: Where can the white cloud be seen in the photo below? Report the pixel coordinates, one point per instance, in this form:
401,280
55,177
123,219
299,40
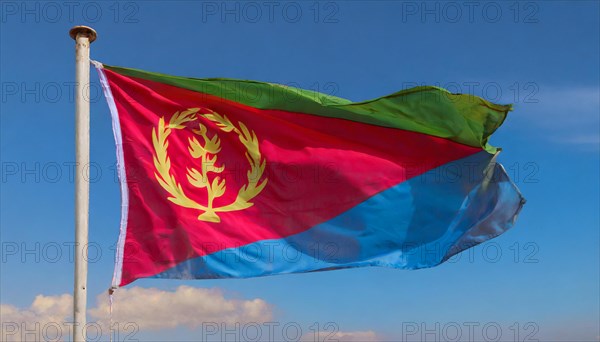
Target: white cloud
565,116
583,139
557,106
344,336
43,319
154,309
147,308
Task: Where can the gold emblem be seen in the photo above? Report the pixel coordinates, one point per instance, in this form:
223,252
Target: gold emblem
206,154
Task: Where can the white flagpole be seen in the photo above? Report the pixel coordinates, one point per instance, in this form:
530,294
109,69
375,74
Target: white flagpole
83,37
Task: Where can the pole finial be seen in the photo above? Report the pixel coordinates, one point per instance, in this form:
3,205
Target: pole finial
83,30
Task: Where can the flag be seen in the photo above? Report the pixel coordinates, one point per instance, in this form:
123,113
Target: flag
225,178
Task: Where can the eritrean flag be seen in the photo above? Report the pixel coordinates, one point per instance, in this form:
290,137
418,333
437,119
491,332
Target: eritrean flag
225,178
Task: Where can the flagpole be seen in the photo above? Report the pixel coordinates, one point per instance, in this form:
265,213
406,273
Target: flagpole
83,37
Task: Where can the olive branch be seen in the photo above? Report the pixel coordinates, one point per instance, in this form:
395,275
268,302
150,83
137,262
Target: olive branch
257,166
199,179
207,153
162,162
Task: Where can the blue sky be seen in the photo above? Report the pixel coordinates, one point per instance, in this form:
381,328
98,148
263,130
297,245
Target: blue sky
544,57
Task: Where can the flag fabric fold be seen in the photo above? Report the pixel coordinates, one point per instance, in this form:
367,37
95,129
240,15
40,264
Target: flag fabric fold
224,178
